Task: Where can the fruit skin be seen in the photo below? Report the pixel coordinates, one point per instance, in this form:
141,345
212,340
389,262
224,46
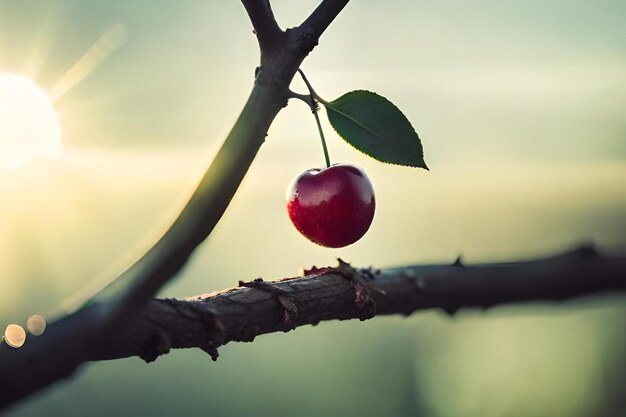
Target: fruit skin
332,207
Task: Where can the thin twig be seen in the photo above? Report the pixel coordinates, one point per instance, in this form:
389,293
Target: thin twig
323,16
265,26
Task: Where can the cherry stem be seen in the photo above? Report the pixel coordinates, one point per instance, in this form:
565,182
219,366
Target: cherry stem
319,127
314,100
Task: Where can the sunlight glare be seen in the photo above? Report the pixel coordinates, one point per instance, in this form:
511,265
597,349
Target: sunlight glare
109,41
29,128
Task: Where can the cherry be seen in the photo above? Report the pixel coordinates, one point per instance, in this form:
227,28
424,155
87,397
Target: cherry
332,207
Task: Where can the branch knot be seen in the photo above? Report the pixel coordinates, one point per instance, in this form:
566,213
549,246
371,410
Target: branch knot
365,304
305,40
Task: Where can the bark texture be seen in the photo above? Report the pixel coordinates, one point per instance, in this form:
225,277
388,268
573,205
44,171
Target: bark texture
340,293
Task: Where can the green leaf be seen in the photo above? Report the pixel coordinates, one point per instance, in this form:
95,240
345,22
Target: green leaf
376,127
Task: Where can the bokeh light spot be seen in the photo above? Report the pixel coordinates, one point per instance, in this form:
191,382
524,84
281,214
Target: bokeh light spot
36,325
15,335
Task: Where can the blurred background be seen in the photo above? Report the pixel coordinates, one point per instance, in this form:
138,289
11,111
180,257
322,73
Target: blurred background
520,107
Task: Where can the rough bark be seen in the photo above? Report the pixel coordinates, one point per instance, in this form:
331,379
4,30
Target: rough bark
254,308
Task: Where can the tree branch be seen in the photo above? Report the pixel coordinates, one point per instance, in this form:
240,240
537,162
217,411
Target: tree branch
265,27
323,16
255,308
66,344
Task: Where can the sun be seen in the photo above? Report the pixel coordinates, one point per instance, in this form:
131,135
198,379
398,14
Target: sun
29,126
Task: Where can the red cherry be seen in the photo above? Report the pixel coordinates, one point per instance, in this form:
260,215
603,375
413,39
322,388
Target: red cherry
332,207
